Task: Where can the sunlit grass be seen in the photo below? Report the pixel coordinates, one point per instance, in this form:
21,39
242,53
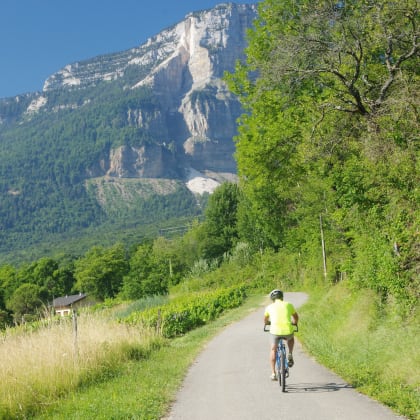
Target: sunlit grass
39,367
374,349
144,390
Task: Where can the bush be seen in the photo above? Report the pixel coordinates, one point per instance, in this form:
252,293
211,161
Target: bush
190,311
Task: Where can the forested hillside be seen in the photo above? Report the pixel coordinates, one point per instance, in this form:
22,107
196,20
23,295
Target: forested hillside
124,271
47,158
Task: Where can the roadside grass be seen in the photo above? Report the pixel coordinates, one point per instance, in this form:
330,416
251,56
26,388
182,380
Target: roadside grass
369,345
145,389
48,363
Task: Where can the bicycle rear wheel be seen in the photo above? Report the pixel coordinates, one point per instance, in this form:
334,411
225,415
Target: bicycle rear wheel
282,373
278,365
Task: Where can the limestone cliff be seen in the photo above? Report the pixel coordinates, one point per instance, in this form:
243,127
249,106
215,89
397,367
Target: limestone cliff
160,110
183,65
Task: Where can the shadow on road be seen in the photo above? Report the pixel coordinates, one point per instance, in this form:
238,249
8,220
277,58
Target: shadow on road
321,387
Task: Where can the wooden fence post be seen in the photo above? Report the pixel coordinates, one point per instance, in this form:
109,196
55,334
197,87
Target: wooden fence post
75,347
159,322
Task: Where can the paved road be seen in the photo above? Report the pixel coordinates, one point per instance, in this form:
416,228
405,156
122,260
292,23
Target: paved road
230,380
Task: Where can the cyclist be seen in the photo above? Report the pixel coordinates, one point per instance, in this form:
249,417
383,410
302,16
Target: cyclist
281,316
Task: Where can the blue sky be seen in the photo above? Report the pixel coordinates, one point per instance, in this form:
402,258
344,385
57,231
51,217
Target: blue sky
39,37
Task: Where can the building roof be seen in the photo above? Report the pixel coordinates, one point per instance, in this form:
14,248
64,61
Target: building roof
68,300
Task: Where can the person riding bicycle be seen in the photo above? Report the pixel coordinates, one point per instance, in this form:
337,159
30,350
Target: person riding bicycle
281,316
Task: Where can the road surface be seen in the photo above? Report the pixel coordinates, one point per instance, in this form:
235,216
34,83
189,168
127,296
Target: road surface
230,380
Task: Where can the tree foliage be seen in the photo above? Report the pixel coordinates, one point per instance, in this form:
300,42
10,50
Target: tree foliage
26,300
220,226
148,274
100,272
331,128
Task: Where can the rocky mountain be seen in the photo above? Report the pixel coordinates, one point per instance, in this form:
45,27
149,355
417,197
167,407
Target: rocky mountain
157,111
183,66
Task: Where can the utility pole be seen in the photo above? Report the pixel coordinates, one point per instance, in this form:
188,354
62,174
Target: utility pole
324,258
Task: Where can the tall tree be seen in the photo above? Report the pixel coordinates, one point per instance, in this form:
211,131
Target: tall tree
149,274
220,226
26,300
100,272
330,91
8,282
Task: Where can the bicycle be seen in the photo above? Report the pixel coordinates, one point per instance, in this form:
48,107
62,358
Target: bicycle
282,364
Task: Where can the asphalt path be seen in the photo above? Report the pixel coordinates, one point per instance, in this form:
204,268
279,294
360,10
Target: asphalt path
231,380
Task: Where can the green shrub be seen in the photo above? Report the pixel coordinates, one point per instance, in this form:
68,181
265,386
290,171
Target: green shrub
190,311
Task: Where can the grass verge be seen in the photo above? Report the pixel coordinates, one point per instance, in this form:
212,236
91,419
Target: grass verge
48,363
144,389
367,343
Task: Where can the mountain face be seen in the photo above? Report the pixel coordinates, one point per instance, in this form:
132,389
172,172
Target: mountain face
182,66
160,110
